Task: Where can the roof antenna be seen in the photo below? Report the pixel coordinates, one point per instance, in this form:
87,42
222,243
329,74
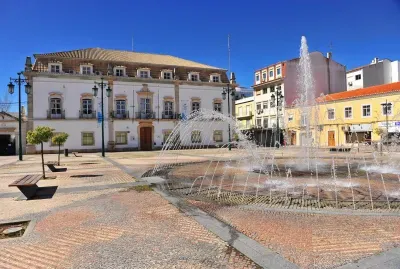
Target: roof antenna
132,42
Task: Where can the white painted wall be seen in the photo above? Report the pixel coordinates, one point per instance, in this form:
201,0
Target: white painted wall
352,83
395,71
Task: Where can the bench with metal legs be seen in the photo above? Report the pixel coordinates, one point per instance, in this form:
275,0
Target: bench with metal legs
54,169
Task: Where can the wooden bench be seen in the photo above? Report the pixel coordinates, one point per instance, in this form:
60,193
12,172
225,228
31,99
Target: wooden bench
53,169
27,185
76,154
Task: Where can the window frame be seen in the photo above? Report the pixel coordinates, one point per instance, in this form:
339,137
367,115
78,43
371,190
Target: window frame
83,138
119,72
370,111
193,135
265,90
358,75
329,110
351,112
86,110
167,73
118,135
290,117
383,108
257,77
198,104
220,133
215,78
259,120
55,103
192,75
118,104
59,66
264,76
168,110
269,73
265,103
85,66
219,105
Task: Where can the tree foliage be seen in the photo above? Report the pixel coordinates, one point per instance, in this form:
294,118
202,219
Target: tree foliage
60,138
40,135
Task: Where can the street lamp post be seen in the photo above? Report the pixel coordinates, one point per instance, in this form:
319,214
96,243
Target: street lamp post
279,97
10,85
102,84
230,92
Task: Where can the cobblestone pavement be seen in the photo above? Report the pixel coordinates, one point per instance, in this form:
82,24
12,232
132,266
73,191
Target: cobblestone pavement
311,240
111,228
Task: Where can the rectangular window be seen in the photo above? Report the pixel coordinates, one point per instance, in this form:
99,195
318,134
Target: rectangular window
86,70
348,112
331,114
387,109
258,106
247,110
144,73
195,106
272,89
218,136
366,110
121,108
218,107
271,73
87,106
303,121
358,77
145,105
265,90
55,106
119,72
265,123
55,68
264,76
168,111
290,118
257,78
166,135
195,77
278,71
121,138
258,122
87,139
272,103
196,137
265,105
167,75
215,78
240,111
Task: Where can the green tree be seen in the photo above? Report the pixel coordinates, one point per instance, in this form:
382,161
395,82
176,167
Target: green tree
59,139
38,136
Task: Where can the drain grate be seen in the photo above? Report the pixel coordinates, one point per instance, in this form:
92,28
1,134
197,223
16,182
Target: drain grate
87,163
13,229
83,176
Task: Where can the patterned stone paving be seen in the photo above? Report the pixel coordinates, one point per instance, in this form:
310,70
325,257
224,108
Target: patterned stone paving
311,240
106,229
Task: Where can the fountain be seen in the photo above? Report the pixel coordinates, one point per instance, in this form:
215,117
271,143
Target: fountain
311,179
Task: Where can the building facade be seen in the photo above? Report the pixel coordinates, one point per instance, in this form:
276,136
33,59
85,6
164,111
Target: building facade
150,94
378,72
244,113
345,118
9,132
281,79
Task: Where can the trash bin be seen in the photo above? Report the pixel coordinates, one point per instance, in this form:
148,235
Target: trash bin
66,152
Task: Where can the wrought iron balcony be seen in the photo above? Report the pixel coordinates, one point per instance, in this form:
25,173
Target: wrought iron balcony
88,114
145,115
169,115
121,115
246,115
55,114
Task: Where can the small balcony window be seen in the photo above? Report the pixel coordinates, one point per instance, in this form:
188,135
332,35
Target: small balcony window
121,108
55,108
87,111
168,110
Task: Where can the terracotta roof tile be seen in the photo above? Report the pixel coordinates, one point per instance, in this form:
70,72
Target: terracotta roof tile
374,90
125,56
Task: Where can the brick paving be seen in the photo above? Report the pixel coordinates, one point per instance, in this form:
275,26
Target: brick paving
110,228
311,240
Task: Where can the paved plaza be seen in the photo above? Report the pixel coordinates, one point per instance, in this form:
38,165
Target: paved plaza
98,218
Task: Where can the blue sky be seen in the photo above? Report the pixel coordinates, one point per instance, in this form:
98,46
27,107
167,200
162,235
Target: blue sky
262,32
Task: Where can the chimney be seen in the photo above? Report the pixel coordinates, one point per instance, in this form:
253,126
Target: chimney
28,64
329,55
233,78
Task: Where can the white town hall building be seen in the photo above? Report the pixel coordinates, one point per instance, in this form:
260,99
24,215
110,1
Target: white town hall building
149,94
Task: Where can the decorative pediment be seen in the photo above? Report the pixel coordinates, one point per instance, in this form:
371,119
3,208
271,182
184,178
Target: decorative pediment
55,94
120,97
87,64
168,98
217,100
196,99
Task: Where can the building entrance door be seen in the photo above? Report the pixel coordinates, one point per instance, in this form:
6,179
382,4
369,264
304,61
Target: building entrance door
331,138
293,139
7,145
145,138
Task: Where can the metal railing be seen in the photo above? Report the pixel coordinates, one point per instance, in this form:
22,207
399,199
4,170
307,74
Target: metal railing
121,115
169,115
53,114
145,115
89,114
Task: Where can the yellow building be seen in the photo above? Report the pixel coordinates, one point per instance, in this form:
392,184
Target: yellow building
341,119
244,109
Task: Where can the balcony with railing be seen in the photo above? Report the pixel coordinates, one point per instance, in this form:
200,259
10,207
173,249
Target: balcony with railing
121,115
169,115
89,114
55,114
145,115
245,115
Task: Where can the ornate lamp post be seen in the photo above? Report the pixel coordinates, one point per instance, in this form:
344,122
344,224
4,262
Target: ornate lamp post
279,97
102,84
28,87
230,92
